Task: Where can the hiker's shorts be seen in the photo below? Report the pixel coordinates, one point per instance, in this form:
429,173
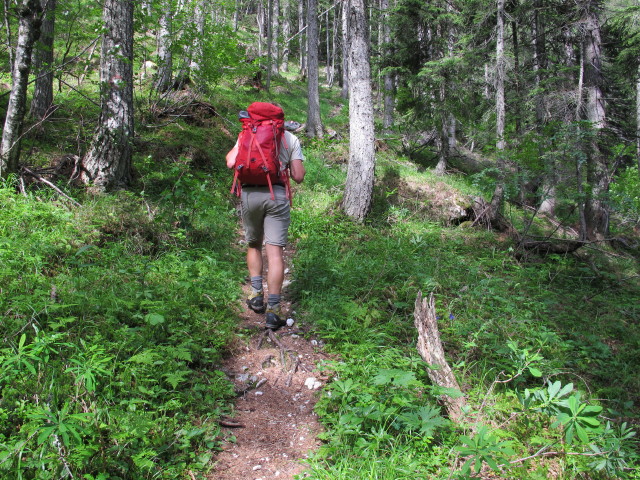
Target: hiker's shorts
264,218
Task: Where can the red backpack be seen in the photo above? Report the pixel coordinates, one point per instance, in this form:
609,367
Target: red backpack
257,162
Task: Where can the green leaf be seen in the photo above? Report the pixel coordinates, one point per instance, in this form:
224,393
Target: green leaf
535,372
582,434
154,319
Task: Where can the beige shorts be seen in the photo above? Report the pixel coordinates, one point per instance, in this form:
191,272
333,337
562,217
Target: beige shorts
263,218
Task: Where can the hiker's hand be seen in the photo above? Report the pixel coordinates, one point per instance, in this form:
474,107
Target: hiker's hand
231,156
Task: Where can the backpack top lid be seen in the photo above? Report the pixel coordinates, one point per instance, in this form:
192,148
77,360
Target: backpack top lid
265,111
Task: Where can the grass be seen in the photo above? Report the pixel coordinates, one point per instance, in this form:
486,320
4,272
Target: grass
119,312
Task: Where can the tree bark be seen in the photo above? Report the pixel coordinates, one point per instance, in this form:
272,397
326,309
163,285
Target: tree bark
314,122
28,31
8,39
302,40
638,119
269,42
596,207
360,173
165,56
345,49
43,63
431,350
107,164
498,193
286,31
389,100
197,49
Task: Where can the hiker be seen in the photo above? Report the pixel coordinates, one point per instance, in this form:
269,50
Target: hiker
266,203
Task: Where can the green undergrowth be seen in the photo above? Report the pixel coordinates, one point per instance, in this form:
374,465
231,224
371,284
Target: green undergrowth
115,317
546,349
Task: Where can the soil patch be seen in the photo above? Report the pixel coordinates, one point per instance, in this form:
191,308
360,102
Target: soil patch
274,427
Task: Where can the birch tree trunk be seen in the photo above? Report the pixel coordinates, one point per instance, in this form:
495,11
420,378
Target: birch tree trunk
165,55
28,31
43,63
596,207
314,122
360,173
107,164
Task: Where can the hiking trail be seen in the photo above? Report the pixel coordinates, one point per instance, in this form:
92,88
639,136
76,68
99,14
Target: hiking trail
277,382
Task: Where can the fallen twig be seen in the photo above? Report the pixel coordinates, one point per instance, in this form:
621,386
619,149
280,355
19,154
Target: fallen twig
48,183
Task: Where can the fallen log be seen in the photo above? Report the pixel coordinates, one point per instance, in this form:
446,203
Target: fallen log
431,350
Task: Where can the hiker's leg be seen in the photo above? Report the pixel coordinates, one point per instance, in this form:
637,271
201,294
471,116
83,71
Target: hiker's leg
275,275
254,261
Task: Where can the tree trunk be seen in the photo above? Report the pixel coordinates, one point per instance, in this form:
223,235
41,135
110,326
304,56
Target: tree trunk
28,31
269,22
8,39
360,173
197,50
302,40
389,101
498,193
260,19
638,119
236,16
286,31
345,49
43,63
107,164
431,350
275,38
314,122
596,208
548,198
165,56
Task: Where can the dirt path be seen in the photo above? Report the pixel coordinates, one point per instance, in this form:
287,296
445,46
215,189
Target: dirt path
274,426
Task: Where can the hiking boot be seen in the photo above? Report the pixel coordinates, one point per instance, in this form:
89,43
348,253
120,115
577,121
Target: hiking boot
273,320
255,301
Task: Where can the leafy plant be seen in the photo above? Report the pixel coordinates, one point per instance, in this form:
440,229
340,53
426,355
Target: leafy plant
484,447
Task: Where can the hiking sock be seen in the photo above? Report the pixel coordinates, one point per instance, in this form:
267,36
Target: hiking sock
273,299
256,283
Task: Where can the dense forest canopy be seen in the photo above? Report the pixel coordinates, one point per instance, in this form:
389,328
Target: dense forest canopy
487,151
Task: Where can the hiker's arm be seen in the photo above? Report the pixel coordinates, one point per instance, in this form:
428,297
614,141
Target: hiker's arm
231,156
297,170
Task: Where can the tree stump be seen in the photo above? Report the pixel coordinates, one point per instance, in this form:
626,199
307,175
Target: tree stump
431,350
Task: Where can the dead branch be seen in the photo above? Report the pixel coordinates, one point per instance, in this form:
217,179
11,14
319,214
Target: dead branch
49,184
431,350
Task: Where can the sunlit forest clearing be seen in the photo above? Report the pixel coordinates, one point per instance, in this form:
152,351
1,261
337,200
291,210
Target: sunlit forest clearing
463,255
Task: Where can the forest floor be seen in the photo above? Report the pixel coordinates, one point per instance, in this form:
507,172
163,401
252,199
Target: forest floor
274,427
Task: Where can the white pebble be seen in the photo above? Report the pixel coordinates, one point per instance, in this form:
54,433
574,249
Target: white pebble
290,322
258,393
257,467
312,383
